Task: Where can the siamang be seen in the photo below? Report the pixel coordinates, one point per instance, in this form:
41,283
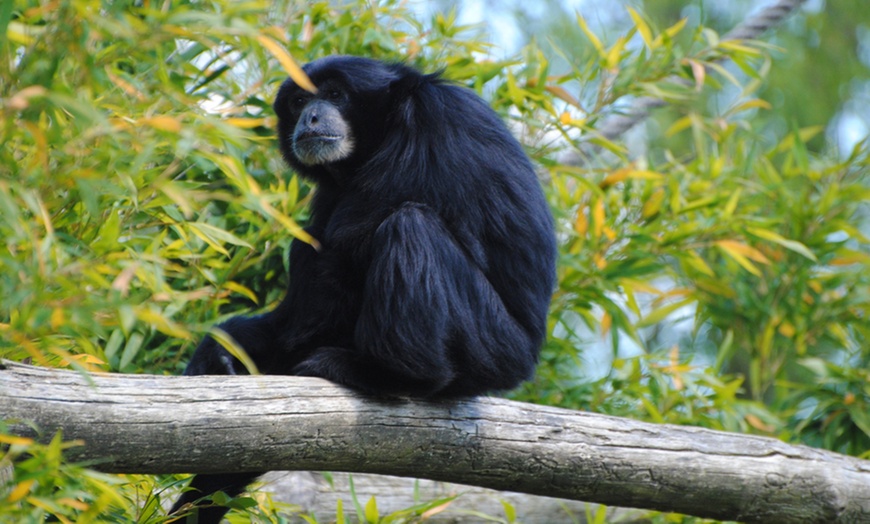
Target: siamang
436,253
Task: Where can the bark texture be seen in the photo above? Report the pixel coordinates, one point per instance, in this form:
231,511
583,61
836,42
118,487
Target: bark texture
157,424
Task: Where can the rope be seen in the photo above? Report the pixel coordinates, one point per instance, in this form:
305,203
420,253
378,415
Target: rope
614,126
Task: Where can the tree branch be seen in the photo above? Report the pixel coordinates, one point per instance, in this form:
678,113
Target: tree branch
315,496
157,424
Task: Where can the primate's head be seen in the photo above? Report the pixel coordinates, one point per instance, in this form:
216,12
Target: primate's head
342,124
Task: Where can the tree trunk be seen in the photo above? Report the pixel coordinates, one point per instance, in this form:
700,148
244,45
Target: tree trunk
157,424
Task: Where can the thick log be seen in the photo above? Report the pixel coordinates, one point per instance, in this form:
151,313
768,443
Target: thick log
157,424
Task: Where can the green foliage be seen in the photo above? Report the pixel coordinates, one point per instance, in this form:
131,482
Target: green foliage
755,243
45,486
713,274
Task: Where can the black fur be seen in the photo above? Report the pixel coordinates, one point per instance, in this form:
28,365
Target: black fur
438,252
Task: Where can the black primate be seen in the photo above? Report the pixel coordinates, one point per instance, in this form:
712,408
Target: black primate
437,252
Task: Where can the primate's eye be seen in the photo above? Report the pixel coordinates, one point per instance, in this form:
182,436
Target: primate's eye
333,94
298,102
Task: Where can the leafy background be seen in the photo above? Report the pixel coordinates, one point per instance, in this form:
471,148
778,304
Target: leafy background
714,261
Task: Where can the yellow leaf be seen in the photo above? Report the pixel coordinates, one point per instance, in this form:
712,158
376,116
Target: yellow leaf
699,72
733,45
722,70
676,28
732,203
290,66
786,329
242,290
849,257
676,202
716,167
679,125
758,424
755,103
581,225
653,204
645,174
84,360
599,261
743,249
162,324
606,322
431,512
229,343
21,100
125,86
246,123
12,440
674,367
670,32
371,511
23,34
207,239
696,204
615,177
339,512
629,173
73,503
614,53
598,218
57,318
21,490
736,251
652,410
562,94
808,133
179,196
163,123
642,28
289,224
590,35
776,238
639,285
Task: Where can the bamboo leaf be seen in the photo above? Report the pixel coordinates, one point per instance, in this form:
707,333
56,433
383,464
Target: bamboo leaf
642,28
731,206
792,245
562,94
290,66
163,123
371,511
229,343
740,253
590,35
670,32
743,249
658,315
755,103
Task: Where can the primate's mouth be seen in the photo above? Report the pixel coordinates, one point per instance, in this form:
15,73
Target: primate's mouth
317,136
